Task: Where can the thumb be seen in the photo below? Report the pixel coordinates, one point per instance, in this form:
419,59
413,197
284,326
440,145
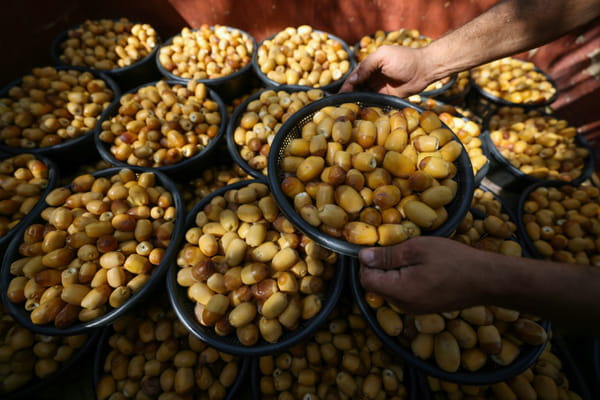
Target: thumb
377,257
389,257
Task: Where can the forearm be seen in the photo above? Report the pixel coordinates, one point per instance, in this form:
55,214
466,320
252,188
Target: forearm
510,27
565,293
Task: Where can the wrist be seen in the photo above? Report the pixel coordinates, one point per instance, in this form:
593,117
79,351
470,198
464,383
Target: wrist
434,62
482,276
498,279
512,280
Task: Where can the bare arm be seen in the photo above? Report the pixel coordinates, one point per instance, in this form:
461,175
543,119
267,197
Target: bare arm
510,27
565,293
430,274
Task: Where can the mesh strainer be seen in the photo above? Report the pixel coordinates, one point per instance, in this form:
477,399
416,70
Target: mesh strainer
292,129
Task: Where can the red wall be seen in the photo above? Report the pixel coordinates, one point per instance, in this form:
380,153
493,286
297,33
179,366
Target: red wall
28,27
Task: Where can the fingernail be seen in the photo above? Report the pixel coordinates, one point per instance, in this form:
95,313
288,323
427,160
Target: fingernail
352,78
367,257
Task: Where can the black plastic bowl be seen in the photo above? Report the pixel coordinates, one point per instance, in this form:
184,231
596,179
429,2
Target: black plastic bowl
53,176
333,87
484,148
73,150
410,381
291,129
499,102
577,383
488,374
234,122
23,317
515,237
510,178
512,217
143,70
345,299
184,307
103,349
35,387
428,93
186,164
458,99
229,86
519,215
504,209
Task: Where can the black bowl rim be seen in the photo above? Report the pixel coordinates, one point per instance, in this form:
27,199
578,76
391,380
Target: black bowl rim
31,388
478,214
339,245
501,102
53,176
48,151
586,170
106,155
512,217
483,171
514,237
209,81
478,105
331,87
459,97
101,353
576,382
519,216
179,299
426,93
61,37
527,356
236,117
507,210
23,317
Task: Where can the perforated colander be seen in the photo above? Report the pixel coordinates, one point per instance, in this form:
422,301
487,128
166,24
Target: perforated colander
292,129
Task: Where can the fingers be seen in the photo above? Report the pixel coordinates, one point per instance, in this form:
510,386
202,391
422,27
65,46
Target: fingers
400,288
389,257
398,91
348,85
365,69
377,257
361,73
386,283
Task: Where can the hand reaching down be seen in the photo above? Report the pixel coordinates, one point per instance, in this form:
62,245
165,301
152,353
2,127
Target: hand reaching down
393,70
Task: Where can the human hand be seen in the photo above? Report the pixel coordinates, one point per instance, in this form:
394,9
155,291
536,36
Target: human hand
427,274
395,70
